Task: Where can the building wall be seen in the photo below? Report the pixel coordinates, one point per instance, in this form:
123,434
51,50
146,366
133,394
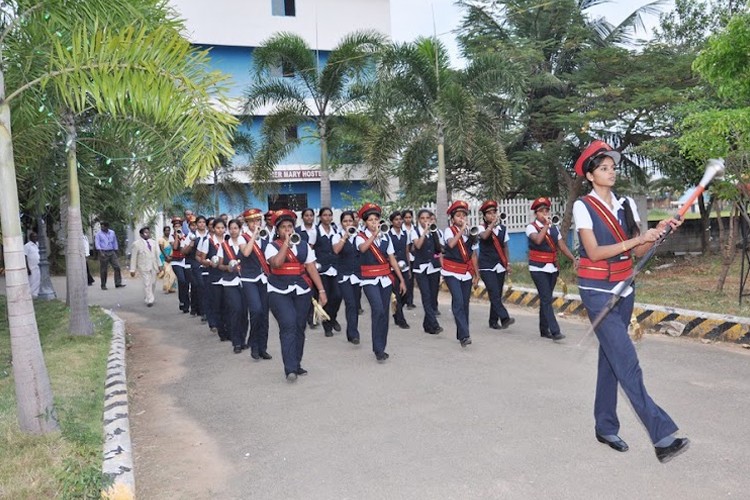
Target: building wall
247,23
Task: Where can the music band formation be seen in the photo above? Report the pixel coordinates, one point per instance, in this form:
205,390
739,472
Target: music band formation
232,273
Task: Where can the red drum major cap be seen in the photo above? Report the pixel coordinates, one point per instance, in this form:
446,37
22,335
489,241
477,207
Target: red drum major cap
541,202
488,205
280,216
252,213
595,149
456,206
268,214
369,209
176,220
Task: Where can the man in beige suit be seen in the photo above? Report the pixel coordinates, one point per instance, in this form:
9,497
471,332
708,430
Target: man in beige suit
145,260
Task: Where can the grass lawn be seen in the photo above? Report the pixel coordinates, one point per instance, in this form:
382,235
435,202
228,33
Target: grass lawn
686,282
66,464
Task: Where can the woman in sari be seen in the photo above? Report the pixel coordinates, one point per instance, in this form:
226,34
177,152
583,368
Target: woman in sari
165,253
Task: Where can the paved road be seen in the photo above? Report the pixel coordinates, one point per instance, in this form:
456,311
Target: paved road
508,417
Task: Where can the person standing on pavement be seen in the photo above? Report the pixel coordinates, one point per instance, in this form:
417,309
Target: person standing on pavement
460,267
608,230
493,263
165,248
544,242
181,245
328,262
105,243
229,263
145,260
377,262
254,273
87,254
400,240
199,272
427,249
348,273
408,218
293,272
31,251
210,254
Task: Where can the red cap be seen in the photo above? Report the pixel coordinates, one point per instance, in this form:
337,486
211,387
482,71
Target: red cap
488,205
369,209
176,220
252,213
541,202
268,214
456,206
280,216
191,218
596,148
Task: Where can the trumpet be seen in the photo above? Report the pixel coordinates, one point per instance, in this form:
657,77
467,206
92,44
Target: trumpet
502,216
351,230
433,228
555,220
262,234
384,227
295,239
191,236
215,260
474,231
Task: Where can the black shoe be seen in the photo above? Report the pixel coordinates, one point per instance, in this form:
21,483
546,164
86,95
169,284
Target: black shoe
439,329
204,319
244,346
360,311
237,349
382,357
618,445
224,339
667,453
465,341
150,304
432,332
193,313
255,355
329,333
104,287
120,286
354,341
291,377
507,322
265,355
495,326
403,325
301,371
546,335
437,313
411,306
91,283
558,336
335,324
213,329
185,311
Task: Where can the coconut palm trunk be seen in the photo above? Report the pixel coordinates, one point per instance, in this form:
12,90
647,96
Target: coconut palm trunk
75,273
325,179
442,187
36,411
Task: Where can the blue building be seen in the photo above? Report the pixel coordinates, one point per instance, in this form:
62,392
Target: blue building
231,29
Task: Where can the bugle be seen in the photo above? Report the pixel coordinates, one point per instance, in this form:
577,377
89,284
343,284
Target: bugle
351,230
295,239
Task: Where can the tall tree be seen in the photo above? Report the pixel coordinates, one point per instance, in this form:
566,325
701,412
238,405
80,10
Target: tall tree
435,120
141,72
301,88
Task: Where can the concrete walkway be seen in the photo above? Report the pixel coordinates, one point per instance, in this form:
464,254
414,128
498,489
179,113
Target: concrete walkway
508,417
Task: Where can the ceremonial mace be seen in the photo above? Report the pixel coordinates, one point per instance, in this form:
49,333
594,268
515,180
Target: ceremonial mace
714,169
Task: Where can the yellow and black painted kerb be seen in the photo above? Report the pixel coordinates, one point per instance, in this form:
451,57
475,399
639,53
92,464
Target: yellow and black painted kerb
696,324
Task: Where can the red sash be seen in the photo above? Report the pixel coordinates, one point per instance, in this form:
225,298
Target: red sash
608,218
612,271
291,267
499,249
228,251
376,270
177,254
541,255
459,267
258,254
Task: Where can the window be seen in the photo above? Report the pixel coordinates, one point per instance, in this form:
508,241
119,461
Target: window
283,8
291,133
296,202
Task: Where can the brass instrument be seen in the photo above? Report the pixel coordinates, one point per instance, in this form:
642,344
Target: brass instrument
295,239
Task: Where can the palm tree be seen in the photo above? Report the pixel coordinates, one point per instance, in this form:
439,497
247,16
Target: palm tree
432,117
153,74
307,91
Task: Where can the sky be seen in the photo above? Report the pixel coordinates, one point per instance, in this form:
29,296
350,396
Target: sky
412,18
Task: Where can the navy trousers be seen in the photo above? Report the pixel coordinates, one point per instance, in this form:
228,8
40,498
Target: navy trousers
494,282
233,312
409,280
618,363
197,293
545,284
351,308
331,286
380,302
290,311
216,317
398,316
460,295
183,286
429,285
255,295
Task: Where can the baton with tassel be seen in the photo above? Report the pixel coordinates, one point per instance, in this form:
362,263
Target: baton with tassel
319,314
714,169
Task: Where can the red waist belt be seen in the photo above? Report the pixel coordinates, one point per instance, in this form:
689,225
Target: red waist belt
375,270
603,270
457,267
289,269
544,257
177,255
